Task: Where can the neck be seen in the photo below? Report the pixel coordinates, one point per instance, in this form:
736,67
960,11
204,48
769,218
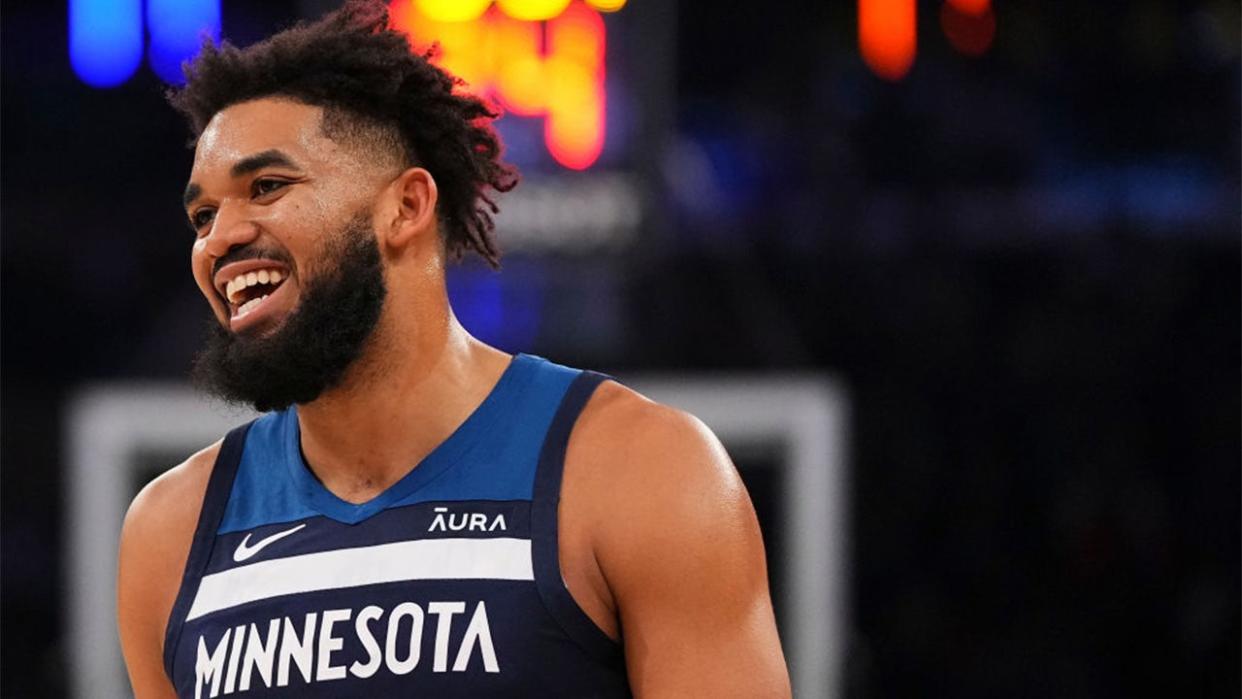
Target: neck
409,391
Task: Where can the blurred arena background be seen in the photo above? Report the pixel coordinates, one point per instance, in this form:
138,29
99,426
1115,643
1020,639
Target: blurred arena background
990,250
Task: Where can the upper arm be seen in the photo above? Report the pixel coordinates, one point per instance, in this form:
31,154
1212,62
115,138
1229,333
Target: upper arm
155,543
680,549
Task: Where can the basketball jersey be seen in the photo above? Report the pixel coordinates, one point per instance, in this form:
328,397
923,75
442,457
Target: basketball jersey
447,584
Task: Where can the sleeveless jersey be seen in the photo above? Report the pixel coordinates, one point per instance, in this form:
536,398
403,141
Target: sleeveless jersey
447,584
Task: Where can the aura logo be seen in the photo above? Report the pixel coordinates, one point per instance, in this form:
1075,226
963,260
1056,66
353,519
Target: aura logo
535,58
107,37
888,36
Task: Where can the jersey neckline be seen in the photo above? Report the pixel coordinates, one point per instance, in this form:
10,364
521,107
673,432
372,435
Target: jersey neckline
476,426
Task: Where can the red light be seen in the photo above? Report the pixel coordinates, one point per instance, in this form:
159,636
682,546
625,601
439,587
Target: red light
970,34
887,36
971,7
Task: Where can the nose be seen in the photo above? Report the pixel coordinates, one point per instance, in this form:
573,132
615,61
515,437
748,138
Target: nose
230,229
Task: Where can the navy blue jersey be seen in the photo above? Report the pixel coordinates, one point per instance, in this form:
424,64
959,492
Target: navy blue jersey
447,584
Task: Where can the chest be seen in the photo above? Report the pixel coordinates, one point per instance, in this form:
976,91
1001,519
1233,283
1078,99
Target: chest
436,596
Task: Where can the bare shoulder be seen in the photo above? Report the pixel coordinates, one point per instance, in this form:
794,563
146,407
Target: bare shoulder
678,549
658,453
652,473
155,544
639,473
171,500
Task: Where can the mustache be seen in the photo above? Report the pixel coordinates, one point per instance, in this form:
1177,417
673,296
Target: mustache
250,252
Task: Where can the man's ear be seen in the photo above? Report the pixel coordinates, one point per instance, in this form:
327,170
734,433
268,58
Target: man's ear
413,216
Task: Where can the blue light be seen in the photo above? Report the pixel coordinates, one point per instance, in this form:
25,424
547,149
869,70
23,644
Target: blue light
499,309
176,28
105,40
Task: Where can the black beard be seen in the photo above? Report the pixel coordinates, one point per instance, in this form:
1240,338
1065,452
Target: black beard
319,341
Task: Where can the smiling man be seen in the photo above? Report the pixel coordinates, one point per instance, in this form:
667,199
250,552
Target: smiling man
416,514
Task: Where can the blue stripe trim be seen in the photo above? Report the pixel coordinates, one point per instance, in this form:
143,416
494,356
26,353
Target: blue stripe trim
219,485
544,534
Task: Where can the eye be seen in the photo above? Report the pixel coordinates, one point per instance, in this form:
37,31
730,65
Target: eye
201,218
266,186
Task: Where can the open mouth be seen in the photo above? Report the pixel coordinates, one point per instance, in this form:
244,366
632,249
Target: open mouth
247,291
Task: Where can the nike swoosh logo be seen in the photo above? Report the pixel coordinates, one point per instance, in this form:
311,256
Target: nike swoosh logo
245,550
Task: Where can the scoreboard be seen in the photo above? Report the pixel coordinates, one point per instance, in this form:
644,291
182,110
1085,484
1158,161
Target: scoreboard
535,58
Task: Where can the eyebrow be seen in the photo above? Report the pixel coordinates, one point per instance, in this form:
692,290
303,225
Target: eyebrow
192,192
245,166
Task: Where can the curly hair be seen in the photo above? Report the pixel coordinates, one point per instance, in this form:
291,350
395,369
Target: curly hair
368,81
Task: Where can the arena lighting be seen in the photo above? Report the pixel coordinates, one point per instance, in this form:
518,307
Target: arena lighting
887,36
970,32
552,68
528,10
450,10
105,40
970,7
176,28
606,5
532,10
106,37
887,32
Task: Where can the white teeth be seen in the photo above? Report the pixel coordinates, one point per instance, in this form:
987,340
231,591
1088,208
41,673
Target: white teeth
249,306
242,281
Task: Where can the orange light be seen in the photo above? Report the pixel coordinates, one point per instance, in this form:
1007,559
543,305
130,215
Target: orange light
559,76
971,7
887,36
970,34
574,129
518,78
607,5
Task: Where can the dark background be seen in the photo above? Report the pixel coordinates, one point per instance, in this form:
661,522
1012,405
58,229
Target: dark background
1025,266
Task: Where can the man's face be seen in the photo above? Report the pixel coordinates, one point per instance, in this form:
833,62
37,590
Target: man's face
285,253
266,189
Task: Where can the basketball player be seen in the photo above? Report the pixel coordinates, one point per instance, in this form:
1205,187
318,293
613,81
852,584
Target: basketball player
417,514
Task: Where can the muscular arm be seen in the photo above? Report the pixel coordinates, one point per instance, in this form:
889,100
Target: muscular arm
678,546
155,543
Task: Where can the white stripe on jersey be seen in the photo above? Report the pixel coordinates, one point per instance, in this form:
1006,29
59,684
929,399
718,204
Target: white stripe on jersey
423,559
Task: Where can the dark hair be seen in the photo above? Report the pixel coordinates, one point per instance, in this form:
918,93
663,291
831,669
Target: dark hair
365,76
